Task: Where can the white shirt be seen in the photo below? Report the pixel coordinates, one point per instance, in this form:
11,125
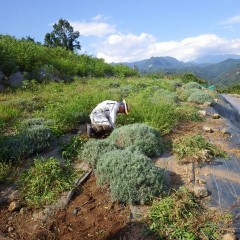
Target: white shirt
110,109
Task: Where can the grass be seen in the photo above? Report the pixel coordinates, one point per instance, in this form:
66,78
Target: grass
182,215
73,148
43,182
196,148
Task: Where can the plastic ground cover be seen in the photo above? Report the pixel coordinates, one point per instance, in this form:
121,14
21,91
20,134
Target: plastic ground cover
223,176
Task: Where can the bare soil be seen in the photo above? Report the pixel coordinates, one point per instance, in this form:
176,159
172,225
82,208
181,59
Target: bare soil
91,214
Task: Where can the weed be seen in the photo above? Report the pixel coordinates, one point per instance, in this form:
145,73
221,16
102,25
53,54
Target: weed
45,180
73,148
195,148
5,170
181,215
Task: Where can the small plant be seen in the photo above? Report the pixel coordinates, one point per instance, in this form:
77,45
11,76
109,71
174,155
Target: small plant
72,149
5,170
195,148
138,136
45,180
132,177
181,215
200,97
191,85
94,149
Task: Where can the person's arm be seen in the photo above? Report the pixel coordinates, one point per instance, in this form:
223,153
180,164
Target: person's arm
113,114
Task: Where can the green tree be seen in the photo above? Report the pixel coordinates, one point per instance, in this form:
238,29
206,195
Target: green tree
63,36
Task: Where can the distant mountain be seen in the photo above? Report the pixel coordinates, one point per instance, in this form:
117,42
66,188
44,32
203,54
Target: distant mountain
211,59
222,73
156,64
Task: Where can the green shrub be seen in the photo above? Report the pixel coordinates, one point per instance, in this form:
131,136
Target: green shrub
132,177
183,216
187,112
23,104
94,149
139,136
45,180
185,93
195,148
32,138
190,77
37,137
162,95
200,97
31,122
191,85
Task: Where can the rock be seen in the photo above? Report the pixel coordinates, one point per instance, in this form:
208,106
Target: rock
207,104
2,87
229,236
216,116
202,181
14,195
207,129
23,210
16,80
206,155
200,191
202,112
10,229
225,132
14,206
1,76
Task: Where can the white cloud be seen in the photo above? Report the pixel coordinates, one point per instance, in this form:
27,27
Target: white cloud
130,47
232,20
93,28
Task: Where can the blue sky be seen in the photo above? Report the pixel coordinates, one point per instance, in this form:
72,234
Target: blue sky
132,30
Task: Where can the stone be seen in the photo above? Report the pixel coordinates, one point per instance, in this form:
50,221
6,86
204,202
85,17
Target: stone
216,116
14,206
202,113
229,236
1,76
2,87
207,129
16,80
200,191
14,195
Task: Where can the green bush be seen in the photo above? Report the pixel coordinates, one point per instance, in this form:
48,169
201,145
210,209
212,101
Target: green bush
185,93
23,104
200,97
132,177
94,149
31,122
138,136
37,137
191,85
32,138
45,180
162,95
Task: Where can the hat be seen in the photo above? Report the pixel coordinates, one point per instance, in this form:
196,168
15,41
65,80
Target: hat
126,108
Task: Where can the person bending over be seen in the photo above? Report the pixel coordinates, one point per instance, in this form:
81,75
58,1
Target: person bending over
103,116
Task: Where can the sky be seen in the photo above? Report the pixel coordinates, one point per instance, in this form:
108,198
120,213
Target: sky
132,30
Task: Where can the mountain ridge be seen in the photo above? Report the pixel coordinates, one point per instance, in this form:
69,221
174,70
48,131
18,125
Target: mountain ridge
226,72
